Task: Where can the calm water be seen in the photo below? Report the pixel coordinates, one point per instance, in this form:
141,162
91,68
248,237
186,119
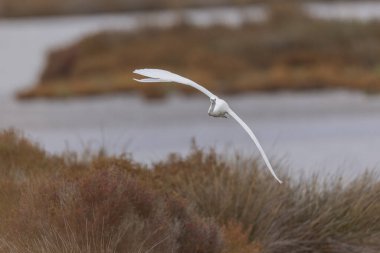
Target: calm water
317,132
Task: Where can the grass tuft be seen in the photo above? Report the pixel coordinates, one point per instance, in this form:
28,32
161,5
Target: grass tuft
197,203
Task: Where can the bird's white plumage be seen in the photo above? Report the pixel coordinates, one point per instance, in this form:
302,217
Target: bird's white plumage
218,109
159,75
255,140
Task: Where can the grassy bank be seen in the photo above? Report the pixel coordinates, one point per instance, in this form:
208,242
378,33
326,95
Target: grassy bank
289,52
198,203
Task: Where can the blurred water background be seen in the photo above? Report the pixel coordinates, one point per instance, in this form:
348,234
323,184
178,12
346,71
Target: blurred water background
320,131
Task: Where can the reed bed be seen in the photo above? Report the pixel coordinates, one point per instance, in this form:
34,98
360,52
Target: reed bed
195,203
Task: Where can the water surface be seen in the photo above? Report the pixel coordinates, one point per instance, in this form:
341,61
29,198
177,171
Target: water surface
321,132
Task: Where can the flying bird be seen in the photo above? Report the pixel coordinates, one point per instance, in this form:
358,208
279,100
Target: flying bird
218,107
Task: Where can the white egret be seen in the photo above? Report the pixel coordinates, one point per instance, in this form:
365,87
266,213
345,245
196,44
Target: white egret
218,108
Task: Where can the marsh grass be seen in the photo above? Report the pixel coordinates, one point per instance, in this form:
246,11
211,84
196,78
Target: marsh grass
197,203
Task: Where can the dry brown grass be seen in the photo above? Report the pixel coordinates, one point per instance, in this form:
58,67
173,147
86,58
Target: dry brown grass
198,203
99,205
295,53
107,211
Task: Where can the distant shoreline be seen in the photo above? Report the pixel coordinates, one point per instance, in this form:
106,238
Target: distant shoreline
267,57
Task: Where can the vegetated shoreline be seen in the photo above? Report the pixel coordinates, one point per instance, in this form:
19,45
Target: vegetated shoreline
290,51
197,203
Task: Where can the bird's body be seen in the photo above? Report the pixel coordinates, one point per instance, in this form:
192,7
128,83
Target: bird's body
218,107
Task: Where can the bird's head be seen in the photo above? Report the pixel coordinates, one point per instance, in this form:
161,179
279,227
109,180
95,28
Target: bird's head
212,106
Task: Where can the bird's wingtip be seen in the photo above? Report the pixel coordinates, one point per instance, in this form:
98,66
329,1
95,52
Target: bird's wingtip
277,179
137,71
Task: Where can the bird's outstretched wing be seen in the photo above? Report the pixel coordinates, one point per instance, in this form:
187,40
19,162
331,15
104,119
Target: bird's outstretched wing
159,75
255,140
